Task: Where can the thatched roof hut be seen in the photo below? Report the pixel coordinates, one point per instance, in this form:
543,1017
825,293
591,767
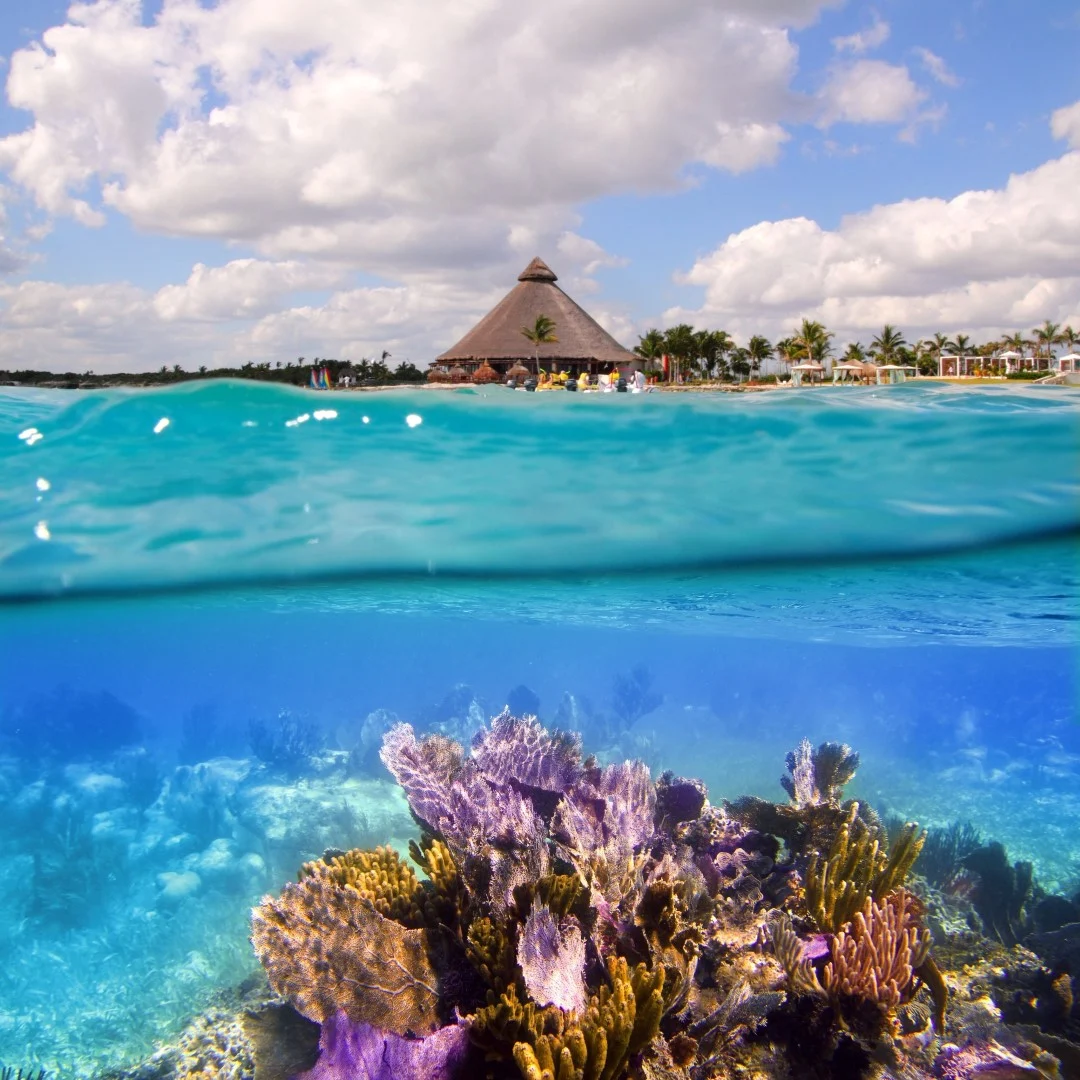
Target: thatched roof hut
497,338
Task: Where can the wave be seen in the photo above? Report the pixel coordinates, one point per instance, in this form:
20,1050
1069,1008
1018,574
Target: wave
231,482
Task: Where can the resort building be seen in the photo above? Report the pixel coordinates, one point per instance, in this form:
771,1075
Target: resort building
957,366
496,344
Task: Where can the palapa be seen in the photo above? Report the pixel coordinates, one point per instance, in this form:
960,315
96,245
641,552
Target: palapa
583,344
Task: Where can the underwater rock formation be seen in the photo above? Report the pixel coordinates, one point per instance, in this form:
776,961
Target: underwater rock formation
568,921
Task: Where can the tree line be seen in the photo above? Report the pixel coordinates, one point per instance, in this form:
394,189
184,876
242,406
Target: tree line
715,354
366,372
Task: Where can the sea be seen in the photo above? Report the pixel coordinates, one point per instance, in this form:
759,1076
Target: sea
216,597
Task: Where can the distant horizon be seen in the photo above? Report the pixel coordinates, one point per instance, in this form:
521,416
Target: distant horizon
245,181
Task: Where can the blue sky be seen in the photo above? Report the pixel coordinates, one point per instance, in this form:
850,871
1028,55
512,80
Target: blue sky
203,182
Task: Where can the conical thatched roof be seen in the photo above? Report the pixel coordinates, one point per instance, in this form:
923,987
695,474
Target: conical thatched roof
497,336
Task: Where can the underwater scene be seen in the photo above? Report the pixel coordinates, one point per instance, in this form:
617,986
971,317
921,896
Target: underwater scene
452,734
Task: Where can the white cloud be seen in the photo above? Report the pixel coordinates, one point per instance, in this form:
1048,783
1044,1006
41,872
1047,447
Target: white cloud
247,310
863,41
869,92
371,133
588,253
119,327
983,262
1065,125
241,289
936,68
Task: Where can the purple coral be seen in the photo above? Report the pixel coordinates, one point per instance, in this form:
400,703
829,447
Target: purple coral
612,807
425,775
520,750
357,1051
985,1061
552,960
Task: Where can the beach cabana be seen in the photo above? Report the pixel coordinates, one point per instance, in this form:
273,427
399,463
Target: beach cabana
853,371
583,344
889,374
808,371
1068,362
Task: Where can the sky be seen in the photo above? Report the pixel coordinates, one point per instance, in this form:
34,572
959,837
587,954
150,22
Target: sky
209,182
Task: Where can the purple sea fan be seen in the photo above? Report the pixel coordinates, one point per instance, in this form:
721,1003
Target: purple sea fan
552,960
426,770
989,1061
357,1051
520,749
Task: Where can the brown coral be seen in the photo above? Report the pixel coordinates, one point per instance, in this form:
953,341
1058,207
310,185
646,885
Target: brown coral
325,948
875,958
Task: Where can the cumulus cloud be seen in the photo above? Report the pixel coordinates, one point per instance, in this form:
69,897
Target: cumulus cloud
869,92
873,37
984,262
372,133
241,289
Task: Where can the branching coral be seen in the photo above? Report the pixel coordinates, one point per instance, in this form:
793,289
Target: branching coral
872,959
875,959
858,866
621,1019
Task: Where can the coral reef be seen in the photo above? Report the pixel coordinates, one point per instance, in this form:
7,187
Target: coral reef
285,743
1000,892
943,854
567,921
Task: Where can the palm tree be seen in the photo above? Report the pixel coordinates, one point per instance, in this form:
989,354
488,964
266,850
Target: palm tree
759,350
887,345
812,341
855,353
680,343
1070,337
740,362
705,351
650,345
786,351
929,352
542,332
961,345
1047,336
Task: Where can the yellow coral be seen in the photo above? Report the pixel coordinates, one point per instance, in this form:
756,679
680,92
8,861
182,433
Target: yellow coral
491,951
379,876
621,1019
858,867
445,900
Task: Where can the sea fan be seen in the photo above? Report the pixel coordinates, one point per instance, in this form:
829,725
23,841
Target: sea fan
357,1051
552,960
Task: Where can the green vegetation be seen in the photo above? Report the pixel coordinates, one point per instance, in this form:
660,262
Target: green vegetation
542,332
700,355
293,373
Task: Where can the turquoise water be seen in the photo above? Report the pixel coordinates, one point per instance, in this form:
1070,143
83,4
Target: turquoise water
207,624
